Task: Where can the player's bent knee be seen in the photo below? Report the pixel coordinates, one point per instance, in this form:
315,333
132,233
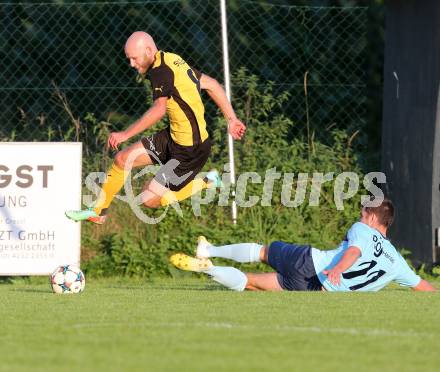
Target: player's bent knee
120,159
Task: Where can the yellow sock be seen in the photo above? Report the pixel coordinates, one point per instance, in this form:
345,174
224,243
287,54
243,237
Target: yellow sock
113,183
184,193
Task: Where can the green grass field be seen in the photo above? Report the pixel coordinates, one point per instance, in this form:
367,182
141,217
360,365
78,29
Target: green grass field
191,324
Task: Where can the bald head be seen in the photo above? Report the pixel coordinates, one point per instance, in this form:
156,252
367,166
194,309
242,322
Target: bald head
140,39
140,50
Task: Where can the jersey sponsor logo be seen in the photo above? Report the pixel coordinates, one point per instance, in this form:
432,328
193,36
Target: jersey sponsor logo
179,62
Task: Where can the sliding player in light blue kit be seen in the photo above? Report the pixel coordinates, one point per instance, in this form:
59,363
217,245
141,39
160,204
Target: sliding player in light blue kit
365,261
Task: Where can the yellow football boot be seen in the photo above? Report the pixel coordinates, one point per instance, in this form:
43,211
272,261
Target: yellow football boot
188,263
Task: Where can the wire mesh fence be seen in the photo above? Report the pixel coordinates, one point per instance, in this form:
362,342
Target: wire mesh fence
64,68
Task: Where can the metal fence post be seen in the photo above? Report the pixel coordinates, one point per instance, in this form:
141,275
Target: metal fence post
228,94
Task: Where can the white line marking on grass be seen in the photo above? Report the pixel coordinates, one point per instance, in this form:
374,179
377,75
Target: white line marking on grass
373,332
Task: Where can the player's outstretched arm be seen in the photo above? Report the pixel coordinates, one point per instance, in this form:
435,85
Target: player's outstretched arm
424,286
235,127
347,260
151,117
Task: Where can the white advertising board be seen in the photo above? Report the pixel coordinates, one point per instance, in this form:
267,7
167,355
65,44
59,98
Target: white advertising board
39,181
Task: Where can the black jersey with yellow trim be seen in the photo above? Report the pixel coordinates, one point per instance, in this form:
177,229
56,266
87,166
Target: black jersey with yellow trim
172,77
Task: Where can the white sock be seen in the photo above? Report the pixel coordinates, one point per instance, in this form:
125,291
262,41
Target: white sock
243,252
230,277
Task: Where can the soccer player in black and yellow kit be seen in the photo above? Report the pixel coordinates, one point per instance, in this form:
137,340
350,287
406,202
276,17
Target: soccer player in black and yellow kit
182,149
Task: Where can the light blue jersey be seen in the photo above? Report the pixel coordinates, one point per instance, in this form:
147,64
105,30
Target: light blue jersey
378,265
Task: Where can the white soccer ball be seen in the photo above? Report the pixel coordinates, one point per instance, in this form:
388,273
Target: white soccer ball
67,279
